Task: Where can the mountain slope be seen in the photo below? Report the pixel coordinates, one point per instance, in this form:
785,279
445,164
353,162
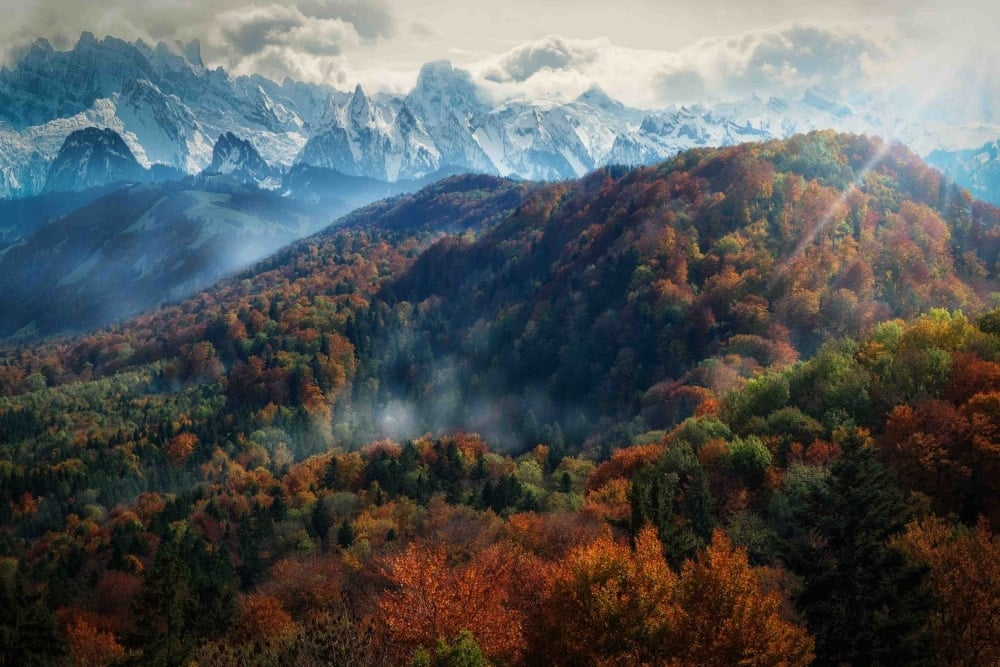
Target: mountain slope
576,300
162,100
238,158
700,270
61,251
976,169
92,158
20,218
139,247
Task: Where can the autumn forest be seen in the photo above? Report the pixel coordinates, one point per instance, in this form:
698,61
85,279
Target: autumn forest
739,408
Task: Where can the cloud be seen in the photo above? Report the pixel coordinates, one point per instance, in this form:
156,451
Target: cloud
277,40
561,67
372,19
924,53
423,30
552,53
306,39
683,84
247,32
782,62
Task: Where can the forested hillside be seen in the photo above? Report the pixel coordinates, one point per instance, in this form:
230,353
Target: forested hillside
736,407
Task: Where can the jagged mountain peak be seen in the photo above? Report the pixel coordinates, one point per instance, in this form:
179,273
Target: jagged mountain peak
239,158
361,109
228,141
441,88
87,39
825,101
777,104
92,157
98,135
192,50
42,44
434,69
440,75
597,97
358,97
189,52
88,45
405,120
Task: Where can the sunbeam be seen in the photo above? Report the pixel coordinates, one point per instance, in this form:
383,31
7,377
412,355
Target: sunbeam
895,126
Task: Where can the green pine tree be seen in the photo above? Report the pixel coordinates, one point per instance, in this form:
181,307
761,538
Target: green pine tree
28,634
673,496
345,534
161,610
862,600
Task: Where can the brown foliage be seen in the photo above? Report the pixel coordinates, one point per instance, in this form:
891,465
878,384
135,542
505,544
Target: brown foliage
928,446
551,536
89,647
964,573
180,447
303,586
611,501
263,619
725,617
951,454
609,604
623,463
112,599
432,598
971,375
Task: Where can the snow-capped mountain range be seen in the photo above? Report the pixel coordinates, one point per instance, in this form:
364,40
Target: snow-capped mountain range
164,103
170,109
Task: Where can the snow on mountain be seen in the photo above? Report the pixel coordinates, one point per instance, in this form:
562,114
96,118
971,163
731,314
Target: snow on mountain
976,169
92,158
22,168
238,158
365,138
165,129
162,100
166,105
447,101
665,133
49,84
536,140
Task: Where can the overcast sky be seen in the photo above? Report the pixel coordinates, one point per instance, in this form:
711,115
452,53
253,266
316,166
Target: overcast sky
646,52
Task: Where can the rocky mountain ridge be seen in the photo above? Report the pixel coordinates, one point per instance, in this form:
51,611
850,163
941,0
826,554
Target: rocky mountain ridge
169,108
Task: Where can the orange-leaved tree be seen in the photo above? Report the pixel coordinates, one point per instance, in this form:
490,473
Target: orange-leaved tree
431,598
611,604
726,617
964,573
607,604
263,619
90,647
